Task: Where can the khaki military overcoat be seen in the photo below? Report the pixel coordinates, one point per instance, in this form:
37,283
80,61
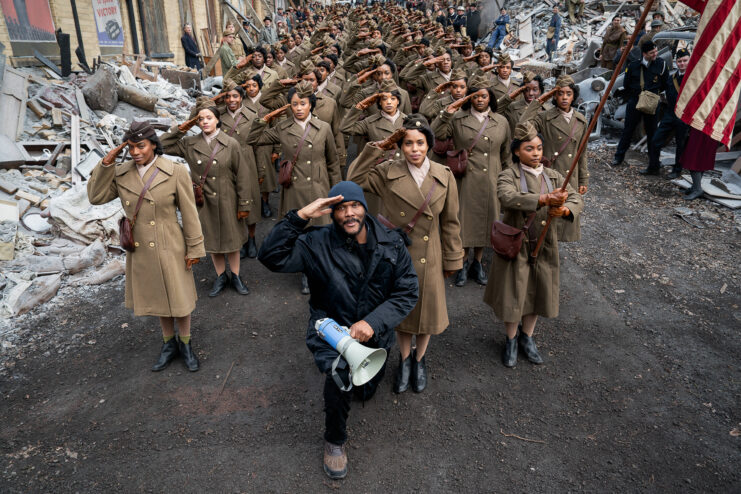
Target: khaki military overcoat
436,242
157,281
479,206
561,141
226,189
317,168
239,132
517,288
263,154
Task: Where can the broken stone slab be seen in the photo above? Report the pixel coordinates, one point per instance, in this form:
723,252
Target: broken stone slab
27,295
101,89
98,276
8,228
92,255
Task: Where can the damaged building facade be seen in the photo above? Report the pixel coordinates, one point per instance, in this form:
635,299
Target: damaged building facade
112,27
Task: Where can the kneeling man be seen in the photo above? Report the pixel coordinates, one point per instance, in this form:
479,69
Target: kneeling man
360,275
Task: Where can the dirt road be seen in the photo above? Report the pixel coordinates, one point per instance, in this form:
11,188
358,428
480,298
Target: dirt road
640,389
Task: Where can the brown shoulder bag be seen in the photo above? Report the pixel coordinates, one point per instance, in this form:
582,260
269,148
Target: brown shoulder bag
507,240
126,226
457,160
285,175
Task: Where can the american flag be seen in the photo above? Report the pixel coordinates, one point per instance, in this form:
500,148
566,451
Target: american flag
709,94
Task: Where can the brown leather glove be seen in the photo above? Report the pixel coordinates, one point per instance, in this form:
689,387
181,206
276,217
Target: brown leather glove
554,199
389,143
188,124
242,214
110,158
190,262
558,211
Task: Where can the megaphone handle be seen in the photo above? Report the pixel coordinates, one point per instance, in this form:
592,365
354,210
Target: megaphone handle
336,376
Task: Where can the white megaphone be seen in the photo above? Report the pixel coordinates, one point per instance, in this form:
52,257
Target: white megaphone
364,362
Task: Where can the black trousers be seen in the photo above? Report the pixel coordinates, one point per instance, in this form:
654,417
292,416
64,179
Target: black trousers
669,124
337,403
632,118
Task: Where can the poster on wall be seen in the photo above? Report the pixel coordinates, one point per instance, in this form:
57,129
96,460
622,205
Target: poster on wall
108,21
28,20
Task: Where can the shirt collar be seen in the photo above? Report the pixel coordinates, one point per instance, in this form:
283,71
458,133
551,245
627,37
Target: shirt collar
393,117
480,116
256,98
302,123
211,137
419,174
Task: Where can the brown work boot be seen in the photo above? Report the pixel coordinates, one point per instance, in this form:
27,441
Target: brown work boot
335,460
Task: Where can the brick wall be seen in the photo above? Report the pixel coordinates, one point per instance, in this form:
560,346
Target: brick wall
63,18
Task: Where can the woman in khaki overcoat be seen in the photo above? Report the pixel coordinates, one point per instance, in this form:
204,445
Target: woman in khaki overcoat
236,120
522,291
227,192
403,184
376,127
159,280
479,206
317,166
562,128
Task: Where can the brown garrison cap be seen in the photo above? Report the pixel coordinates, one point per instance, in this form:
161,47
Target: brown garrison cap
440,50
139,131
525,131
377,60
375,43
228,86
304,89
306,67
564,80
478,81
504,59
478,49
388,86
458,74
528,76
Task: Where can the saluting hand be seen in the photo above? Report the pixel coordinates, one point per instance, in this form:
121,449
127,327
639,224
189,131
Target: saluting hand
244,61
517,91
455,105
276,113
545,97
110,158
390,142
367,102
432,61
442,87
319,207
489,67
365,75
361,331
288,82
188,124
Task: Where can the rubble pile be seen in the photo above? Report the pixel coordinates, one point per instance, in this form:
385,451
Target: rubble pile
50,234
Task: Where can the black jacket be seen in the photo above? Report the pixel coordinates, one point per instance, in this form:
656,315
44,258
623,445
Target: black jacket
655,77
342,287
473,23
191,52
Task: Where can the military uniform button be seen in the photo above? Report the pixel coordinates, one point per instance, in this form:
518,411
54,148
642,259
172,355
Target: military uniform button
402,214
429,217
308,178
423,260
486,154
136,244
308,162
213,178
397,155
198,162
151,244
559,138
484,169
486,138
426,238
214,194
542,222
311,146
214,162
151,223
151,202
127,203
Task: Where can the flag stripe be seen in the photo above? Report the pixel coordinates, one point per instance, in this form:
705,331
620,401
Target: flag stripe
709,94
708,89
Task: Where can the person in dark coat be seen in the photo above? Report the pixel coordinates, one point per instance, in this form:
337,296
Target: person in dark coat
192,53
553,34
473,23
361,275
500,31
655,79
669,123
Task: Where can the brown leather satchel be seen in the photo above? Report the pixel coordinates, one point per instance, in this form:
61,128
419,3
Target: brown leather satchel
457,160
126,226
285,174
442,147
506,240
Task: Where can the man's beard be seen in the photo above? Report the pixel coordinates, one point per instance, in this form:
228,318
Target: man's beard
341,225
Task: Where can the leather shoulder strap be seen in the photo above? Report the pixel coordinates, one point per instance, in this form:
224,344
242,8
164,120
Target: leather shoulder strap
236,122
301,142
478,136
410,225
143,192
217,146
